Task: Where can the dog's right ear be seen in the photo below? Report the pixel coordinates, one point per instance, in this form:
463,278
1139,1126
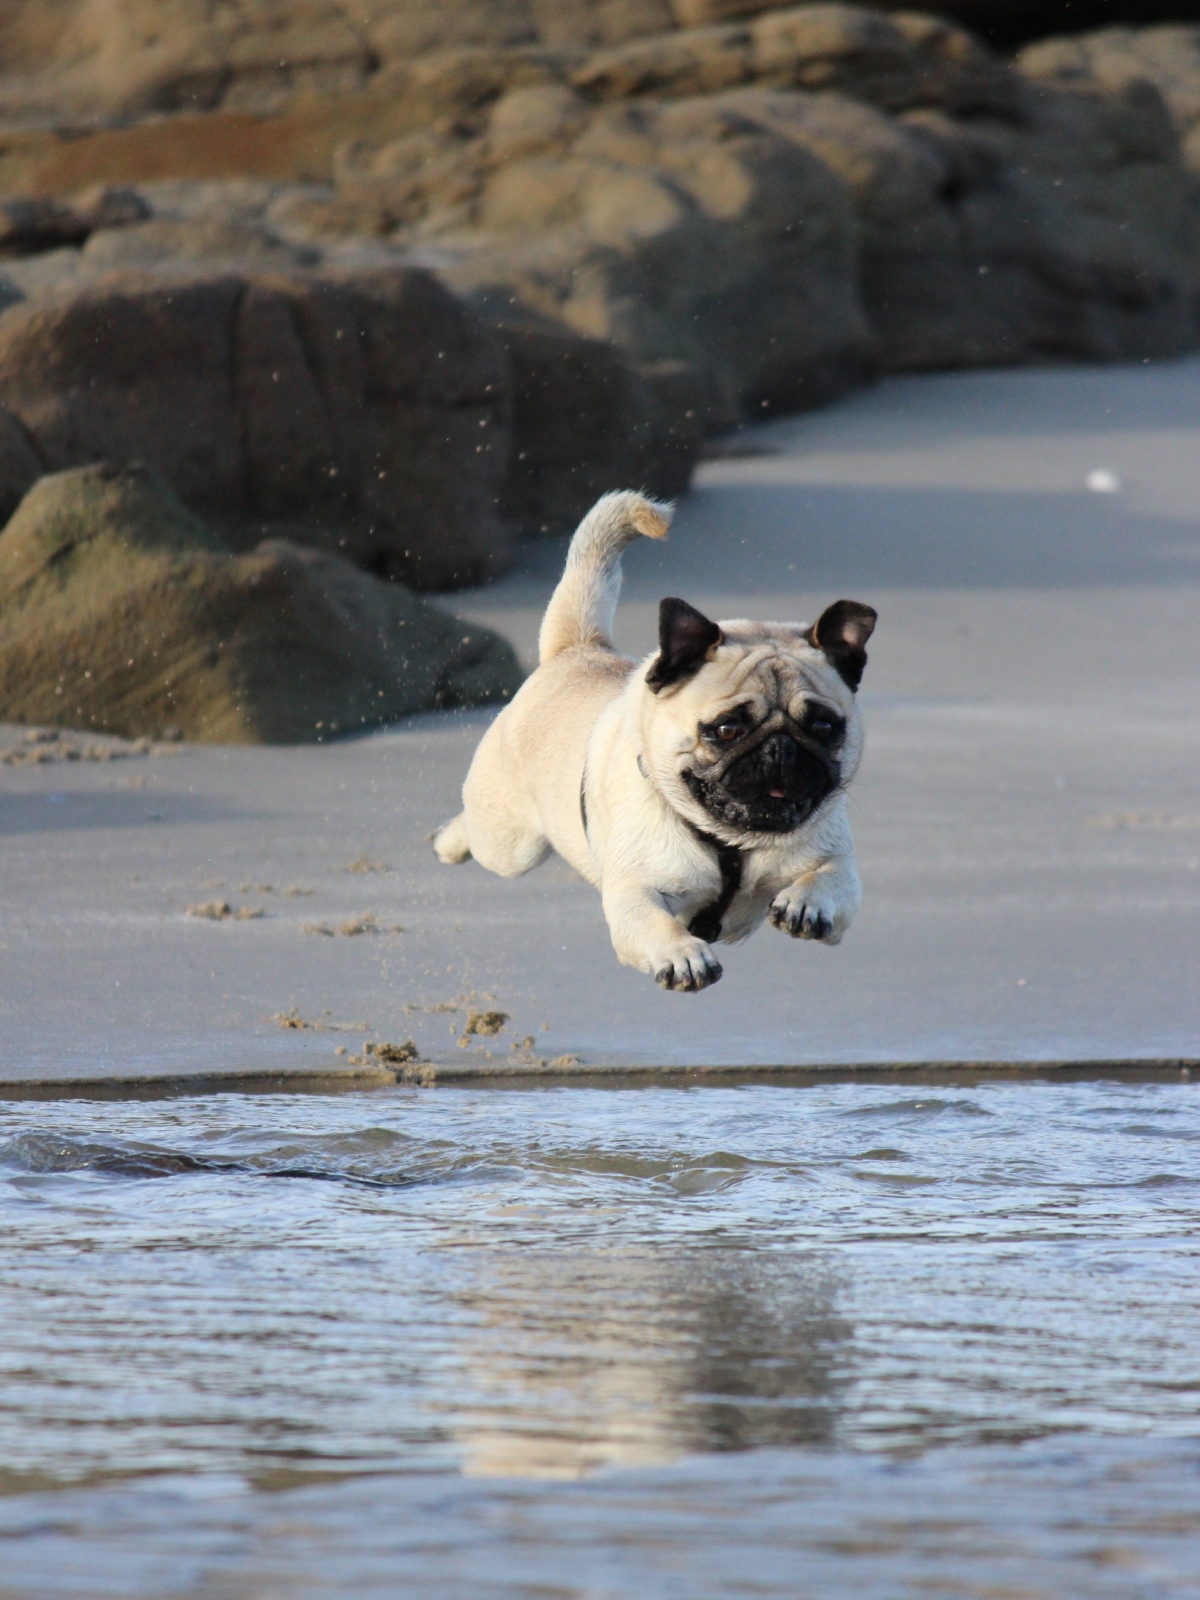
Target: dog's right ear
685,638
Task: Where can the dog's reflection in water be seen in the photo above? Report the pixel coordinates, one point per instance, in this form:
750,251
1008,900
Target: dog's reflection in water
575,1362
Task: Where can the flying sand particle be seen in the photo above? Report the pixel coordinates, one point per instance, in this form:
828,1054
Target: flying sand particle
485,1022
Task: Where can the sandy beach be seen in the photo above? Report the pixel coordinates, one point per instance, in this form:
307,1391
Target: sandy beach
1027,815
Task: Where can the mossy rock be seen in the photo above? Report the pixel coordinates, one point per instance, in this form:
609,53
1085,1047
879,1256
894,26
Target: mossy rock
120,612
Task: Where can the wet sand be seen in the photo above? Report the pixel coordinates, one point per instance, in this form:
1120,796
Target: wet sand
1027,816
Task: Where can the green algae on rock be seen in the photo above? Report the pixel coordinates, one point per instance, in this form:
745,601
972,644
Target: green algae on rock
120,612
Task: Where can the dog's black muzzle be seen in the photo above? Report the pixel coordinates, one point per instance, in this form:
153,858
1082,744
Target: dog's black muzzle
774,787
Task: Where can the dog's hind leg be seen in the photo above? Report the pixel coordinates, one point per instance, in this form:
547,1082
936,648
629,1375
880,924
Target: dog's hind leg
501,825
450,842
504,844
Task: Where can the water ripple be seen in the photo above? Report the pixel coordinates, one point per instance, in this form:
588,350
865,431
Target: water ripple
545,1285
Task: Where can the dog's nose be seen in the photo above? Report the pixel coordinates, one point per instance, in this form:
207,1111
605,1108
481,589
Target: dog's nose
780,759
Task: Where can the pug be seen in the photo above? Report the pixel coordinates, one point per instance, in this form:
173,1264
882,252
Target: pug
700,790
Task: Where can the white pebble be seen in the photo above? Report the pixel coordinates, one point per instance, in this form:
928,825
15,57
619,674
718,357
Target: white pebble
1101,481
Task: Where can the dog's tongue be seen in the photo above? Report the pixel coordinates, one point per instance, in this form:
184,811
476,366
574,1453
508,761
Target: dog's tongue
777,794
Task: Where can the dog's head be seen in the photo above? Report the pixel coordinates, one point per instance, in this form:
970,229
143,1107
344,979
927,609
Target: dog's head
753,724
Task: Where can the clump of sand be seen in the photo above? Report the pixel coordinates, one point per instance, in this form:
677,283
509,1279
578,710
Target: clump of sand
485,1022
222,911
39,747
394,1054
361,922
406,1056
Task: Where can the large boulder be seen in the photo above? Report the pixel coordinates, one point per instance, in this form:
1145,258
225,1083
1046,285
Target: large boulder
1113,60
1071,231
681,231
374,409
121,612
586,418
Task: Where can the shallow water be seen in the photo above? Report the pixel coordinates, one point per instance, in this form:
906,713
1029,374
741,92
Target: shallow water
850,1338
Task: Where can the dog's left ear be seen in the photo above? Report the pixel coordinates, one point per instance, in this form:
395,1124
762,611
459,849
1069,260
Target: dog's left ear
685,637
842,632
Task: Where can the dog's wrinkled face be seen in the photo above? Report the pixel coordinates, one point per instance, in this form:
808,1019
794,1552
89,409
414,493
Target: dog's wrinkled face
755,723
767,774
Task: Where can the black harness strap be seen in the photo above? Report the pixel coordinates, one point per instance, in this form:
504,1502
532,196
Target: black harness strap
706,923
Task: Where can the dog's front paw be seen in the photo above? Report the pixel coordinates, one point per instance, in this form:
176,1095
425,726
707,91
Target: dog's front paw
806,913
688,968
802,921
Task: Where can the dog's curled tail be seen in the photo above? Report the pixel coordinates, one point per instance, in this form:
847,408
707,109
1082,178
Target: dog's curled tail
581,608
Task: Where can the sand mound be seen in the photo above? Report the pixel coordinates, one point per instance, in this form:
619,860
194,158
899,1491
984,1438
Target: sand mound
120,611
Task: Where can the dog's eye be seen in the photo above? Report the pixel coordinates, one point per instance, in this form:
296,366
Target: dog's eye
727,732
820,729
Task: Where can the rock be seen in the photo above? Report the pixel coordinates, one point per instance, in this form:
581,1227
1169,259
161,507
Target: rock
584,419
20,467
34,223
120,612
315,216
398,30
1006,24
1114,59
105,205
1002,22
458,85
133,369
703,13
1069,233
201,239
895,63
529,120
35,275
370,410
697,61
682,231
143,57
